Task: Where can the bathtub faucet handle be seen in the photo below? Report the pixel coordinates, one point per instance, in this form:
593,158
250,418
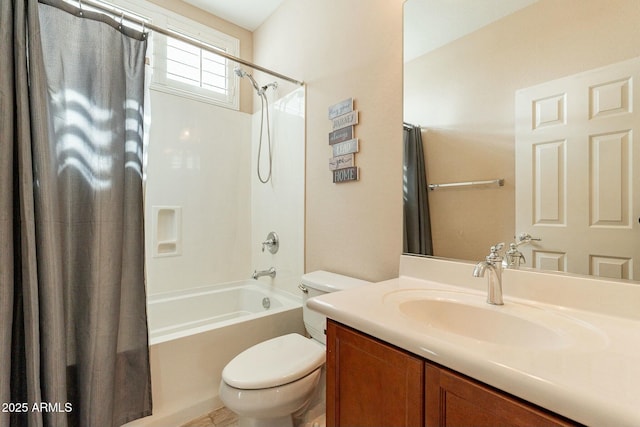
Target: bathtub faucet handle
272,243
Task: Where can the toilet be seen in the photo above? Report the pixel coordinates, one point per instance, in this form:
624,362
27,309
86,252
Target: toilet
273,380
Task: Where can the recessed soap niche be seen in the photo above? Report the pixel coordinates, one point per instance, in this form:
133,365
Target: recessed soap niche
166,223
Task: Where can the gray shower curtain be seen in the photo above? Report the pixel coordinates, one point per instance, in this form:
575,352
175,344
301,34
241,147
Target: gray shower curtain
73,329
417,224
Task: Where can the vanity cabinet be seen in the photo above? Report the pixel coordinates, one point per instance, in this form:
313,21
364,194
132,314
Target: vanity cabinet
372,383
452,399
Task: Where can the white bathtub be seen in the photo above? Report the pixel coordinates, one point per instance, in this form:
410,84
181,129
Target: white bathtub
193,334
178,314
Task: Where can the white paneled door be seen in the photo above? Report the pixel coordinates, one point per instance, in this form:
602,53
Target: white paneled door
576,167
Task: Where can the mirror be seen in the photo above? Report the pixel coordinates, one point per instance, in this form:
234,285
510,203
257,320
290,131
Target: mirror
461,90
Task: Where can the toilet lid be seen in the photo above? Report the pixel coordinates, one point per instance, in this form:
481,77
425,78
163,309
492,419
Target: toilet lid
274,362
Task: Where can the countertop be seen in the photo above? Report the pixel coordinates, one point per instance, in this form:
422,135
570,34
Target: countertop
596,382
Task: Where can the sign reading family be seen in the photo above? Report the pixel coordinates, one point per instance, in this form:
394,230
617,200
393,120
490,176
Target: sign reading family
343,143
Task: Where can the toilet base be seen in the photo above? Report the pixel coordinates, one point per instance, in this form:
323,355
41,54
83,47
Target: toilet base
265,422
270,407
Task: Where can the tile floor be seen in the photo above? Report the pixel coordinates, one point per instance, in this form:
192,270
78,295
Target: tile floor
225,418
222,417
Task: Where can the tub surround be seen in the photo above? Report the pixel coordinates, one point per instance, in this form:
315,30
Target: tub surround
591,378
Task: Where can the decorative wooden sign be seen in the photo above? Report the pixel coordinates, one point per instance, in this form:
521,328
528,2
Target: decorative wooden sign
345,175
345,120
341,162
340,135
343,142
340,108
346,147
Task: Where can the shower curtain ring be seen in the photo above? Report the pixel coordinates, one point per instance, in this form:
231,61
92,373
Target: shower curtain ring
80,5
121,20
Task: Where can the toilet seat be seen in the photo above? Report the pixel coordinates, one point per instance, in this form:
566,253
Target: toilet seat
274,362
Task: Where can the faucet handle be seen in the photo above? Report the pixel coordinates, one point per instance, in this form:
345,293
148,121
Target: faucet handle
513,258
272,243
495,255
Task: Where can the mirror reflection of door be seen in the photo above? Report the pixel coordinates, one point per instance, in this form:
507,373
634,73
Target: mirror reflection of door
575,151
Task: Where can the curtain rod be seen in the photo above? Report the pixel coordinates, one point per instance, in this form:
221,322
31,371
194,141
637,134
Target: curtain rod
407,124
189,40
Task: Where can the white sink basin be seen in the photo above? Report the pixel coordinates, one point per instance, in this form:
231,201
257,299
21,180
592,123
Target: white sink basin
513,324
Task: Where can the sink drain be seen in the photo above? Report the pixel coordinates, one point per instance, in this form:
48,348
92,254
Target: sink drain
266,303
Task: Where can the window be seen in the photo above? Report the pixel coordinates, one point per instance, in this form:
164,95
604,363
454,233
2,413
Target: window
190,65
184,69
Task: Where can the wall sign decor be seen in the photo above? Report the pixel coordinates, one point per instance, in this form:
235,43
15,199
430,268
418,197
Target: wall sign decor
345,120
345,174
340,135
343,142
341,108
340,162
347,147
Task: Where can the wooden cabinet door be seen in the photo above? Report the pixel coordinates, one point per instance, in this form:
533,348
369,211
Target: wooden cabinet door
454,400
370,383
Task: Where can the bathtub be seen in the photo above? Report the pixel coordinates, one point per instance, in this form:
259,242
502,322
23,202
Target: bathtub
178,314
193,334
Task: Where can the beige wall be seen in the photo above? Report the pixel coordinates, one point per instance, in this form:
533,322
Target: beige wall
464,94
341,50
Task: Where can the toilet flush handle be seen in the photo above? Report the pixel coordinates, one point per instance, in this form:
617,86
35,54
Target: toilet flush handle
303,288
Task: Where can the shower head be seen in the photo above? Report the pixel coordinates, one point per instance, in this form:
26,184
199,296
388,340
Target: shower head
242,73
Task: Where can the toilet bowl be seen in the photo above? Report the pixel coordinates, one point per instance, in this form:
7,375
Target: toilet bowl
273,380
271,403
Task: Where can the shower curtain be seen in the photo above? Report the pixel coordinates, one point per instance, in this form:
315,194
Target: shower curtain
73,330
417,224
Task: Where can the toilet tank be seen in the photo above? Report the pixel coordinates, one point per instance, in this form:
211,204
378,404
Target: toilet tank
319,283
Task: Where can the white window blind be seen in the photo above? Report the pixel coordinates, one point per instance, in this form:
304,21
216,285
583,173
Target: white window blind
181,68
191,65
188,70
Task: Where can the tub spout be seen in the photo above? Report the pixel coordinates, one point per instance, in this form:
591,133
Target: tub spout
270,272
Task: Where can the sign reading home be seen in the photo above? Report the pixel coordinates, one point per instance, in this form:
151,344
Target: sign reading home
341,135
347,147
340,108
345,120
345,175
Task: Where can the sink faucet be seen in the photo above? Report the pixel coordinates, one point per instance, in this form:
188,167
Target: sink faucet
270,272
493,263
